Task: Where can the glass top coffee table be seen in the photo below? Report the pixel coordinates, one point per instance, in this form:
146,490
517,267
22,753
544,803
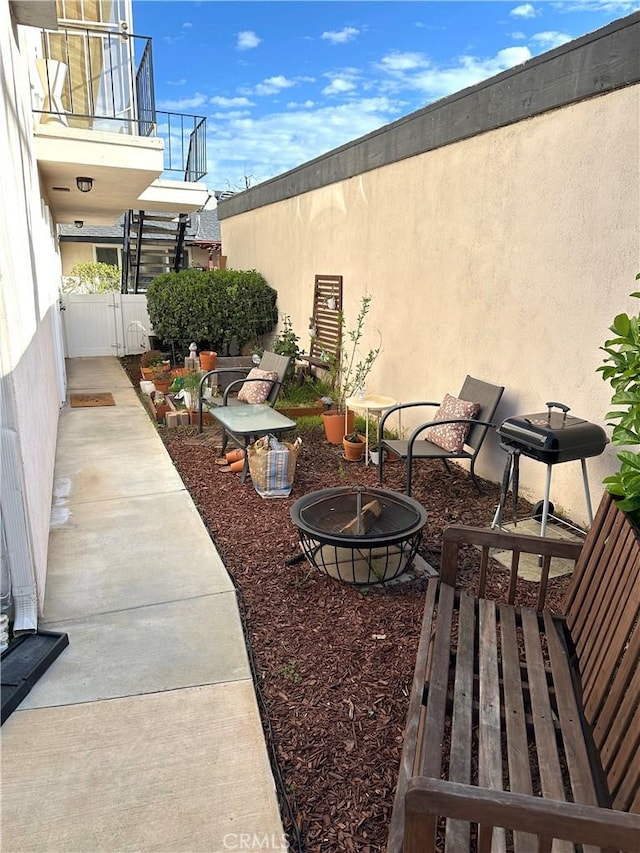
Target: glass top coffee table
244,424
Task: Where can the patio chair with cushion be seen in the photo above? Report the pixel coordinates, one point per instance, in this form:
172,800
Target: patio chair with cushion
260,384
457,430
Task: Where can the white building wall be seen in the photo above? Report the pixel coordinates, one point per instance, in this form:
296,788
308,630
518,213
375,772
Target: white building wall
30,330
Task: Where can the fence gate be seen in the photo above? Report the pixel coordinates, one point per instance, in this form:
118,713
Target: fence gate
105,324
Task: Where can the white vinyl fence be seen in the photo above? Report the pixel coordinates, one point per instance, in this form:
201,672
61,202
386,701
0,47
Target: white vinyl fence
105,324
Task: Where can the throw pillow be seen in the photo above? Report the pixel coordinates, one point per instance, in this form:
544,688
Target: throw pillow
257,392
451,437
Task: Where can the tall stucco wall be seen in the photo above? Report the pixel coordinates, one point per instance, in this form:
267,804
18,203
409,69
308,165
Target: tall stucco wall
505,255
29,317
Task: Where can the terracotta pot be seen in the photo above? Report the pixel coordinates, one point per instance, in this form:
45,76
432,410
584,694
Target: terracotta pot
208,360
147,373
334,425
353,451
234,455
163,384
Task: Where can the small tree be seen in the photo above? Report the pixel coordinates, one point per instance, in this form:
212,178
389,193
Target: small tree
92,277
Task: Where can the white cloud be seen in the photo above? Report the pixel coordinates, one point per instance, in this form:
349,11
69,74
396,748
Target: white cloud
619,8
274,143
182,104
273,85
295,105
417,71
338,86
222,102
551,39
247,40
231,114
187,25
181,82
518,36
524,11
403,61
346,34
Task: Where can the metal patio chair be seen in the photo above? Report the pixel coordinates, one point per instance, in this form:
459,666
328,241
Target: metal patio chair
270,361
473,390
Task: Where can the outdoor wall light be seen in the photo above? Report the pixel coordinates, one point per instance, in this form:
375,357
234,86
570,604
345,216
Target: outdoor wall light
78,223
85,185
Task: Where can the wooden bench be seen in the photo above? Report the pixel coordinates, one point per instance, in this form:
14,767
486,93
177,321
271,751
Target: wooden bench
523,725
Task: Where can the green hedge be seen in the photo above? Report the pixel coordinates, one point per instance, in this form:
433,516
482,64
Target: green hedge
214,308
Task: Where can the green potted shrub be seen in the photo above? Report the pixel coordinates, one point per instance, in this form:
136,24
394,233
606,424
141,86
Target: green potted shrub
622,370
348,374
149,360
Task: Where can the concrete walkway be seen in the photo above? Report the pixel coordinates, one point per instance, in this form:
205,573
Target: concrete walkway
144,734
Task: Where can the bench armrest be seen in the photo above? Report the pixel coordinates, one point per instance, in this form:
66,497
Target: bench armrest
428,798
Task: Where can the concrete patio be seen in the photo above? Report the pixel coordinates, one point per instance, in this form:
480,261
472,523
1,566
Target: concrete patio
145,733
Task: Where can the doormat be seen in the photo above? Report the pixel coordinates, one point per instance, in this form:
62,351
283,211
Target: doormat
86,400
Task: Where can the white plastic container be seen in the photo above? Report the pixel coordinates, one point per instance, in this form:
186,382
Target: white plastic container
147,386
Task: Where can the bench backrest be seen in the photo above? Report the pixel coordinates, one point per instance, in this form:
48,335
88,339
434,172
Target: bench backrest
602,610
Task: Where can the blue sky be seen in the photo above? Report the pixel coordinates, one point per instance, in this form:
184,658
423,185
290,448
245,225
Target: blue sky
283,82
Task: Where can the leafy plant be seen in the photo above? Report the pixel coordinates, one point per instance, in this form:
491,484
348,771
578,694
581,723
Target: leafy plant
353,438
151,358
92,277
349,372
622,370
287,344
215,308
191,381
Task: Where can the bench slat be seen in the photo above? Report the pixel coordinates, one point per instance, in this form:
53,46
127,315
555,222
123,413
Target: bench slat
430,762
549,763
394,844
626,771
457,836
489,731
590,559
575,748
604,650
515,720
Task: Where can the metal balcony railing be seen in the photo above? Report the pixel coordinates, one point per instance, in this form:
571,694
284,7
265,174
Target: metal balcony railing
92,80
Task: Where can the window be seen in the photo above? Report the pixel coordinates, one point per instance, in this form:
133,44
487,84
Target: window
108,255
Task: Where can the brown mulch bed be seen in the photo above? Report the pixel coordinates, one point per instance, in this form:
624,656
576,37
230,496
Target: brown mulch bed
333,663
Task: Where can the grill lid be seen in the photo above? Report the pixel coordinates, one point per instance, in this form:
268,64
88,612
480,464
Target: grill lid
552,436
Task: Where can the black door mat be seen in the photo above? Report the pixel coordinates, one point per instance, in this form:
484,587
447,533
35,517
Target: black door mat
24,662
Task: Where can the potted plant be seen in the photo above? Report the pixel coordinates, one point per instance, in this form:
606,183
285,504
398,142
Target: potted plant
148,360
190,388
161,376
348,374
622,370
353,445
374,454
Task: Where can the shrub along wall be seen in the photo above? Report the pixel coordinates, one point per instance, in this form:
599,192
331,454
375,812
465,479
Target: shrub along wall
218,309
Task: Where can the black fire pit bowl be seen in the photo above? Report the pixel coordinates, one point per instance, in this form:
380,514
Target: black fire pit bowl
359,534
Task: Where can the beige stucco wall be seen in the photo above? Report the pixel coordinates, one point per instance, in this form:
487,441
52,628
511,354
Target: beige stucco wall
30,328
505,255
75,253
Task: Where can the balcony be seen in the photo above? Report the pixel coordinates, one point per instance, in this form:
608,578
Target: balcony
95,115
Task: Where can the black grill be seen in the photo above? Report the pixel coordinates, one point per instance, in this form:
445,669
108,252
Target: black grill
552,436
